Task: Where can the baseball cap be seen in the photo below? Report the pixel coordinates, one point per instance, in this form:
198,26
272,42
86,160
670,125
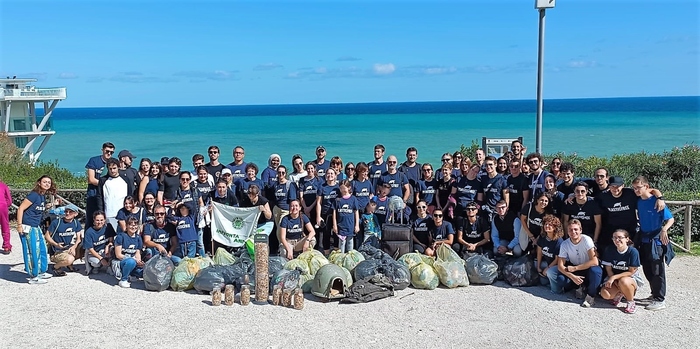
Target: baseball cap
472,204
225,171
124,153
320,147
164,160
616,181
72,207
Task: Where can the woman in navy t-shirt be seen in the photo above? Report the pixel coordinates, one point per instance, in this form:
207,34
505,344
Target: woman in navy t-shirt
29,220
621,263
548,244
292,227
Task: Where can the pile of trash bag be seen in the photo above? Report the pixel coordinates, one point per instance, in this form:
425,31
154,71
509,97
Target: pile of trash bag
423,275
185,272
397,273
210,278
223,257
521,272
481,270
450,268
158,272
370,252
308,263
346,260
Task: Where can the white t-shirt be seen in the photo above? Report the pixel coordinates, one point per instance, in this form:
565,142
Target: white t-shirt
114,192
576,254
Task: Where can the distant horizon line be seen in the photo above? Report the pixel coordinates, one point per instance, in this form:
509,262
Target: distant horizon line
385,102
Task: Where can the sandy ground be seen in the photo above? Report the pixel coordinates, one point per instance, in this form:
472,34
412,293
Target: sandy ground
77,311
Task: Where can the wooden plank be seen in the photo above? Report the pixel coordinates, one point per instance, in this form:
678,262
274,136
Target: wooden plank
687,226
681,247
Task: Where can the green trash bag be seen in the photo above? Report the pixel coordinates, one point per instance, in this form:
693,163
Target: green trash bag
298,264
335,256
315,260
424,276
450,268
184,273
223,257
348,260
410,260
427,260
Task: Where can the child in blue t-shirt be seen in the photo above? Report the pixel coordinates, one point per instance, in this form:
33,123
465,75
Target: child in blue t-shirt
186,230
370,222
346,217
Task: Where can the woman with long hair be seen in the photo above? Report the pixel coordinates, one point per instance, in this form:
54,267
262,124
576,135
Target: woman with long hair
531,220
155,178
143,177
548,244
29,216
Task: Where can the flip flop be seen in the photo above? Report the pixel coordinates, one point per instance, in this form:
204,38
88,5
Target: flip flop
59,273
72,269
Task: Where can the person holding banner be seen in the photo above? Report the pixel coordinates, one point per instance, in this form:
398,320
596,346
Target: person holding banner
291,232
265,222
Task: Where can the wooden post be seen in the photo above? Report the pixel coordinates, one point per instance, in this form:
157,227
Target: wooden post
687,226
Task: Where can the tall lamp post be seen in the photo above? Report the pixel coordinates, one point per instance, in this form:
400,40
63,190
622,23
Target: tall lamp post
541,6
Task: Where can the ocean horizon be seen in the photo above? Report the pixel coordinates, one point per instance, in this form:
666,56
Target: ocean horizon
592,126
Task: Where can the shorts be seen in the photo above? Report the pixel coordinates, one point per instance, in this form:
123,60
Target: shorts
297,245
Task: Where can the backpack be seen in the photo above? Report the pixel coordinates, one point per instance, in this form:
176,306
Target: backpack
369,289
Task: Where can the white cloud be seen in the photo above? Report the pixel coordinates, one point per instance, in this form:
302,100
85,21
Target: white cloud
267,66
383,69
439,70
347,59
581,64
201,76
321,70
67,76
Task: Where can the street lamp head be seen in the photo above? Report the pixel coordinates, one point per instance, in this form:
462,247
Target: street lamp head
544,4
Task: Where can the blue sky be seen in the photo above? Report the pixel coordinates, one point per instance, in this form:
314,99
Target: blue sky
157,53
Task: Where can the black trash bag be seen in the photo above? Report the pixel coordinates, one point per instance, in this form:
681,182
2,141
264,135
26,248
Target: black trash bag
398,273
481,270
209,278
370,252
501,260
366,268
229,274
158,272
369,289
520,272
372,241
275,264
286,279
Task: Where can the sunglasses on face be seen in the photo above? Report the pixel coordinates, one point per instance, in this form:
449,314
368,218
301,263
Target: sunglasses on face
391,162
281,172
423,207
533,162
581,191
446,160
109,151
556,163
184,179
599,176
213,152
472,208
350,169
437,215
160,213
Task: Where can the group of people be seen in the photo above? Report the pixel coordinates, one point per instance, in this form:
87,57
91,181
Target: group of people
506,206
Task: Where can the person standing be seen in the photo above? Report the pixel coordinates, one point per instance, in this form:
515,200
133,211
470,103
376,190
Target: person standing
94,168
397,180
5,203
412,170
321,164
129,173
29,216
654,248
519,192
585,210
537,174
377,167
238,166
214,167
112,189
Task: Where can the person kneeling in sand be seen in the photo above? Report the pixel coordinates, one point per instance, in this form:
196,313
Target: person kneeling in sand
98,244
159,237
64,236
621,263
441,232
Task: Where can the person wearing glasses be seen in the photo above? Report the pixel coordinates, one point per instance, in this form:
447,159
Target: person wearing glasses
94,168
494,188
350,172
421,227
171,182
554,167
308,192
441,232
505,231
214,167
585,210
65,236
298,169
655,250
518,189
531,220
427,187
127,251
621,262
321,164
337,165
444,188
397,180
537,174
283,193
111,191
190,197
251,178
474,234
601,182
377,167
454,167
238,167
269,174
160,238
457,159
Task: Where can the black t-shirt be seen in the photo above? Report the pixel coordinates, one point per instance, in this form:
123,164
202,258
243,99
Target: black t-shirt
584,213
516,187
533,218
204,189
421,229
619,213
566,189
215,171
261,201
550,248
170,185
474,232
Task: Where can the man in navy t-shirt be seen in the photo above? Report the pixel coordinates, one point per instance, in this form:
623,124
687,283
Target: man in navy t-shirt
321,164
378,166
63,236
397,180
94,168
237,167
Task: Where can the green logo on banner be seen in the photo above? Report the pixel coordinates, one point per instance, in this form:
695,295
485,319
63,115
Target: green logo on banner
238,223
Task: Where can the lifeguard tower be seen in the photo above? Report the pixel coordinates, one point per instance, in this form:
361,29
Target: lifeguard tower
18,117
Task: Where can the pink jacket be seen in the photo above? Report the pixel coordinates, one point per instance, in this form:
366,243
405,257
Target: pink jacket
5,197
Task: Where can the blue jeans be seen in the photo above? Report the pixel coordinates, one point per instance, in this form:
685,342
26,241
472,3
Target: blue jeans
188,249
347,245
559,283
152,251
200,243
128,267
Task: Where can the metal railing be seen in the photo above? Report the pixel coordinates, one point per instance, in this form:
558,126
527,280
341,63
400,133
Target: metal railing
59,92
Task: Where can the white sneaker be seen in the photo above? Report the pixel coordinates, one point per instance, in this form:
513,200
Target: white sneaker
37,281
588,302
124,284
656,305
45,276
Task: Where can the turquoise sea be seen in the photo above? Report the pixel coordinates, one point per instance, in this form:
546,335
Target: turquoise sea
601,127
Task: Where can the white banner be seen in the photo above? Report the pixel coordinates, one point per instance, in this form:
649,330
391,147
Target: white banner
231,226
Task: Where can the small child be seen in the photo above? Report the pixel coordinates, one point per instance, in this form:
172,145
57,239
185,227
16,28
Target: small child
370,222
346,217
186,230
